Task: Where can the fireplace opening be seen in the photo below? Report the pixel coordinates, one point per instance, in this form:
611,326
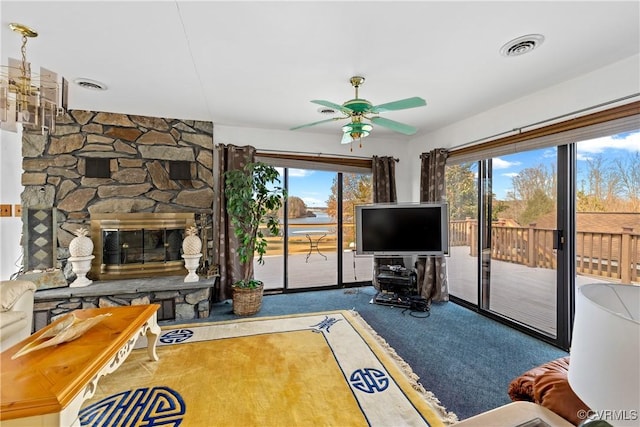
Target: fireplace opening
138,244
141,246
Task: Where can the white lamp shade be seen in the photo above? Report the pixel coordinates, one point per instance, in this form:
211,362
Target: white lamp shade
604,369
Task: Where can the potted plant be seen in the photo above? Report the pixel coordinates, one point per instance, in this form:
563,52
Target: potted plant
253,199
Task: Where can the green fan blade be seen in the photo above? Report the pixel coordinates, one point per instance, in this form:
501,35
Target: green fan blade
393,125
333,105
317,123
402,104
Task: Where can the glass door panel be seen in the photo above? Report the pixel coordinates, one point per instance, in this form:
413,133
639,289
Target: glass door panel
271,272
608,209
462,196
316,244
521,217
356,190
311,230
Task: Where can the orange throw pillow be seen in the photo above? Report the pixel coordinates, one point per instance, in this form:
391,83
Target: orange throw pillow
548,386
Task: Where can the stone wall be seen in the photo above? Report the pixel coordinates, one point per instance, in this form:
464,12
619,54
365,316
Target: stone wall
139,150
190,300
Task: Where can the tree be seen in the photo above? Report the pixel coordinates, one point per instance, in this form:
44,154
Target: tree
252,194
610,185
532,189
588,203
356,190
628,173
296,208
531,180
497,207
538,205
462,191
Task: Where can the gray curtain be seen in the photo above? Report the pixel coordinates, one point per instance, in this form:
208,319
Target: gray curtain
384,179
433,282
227,157
384,191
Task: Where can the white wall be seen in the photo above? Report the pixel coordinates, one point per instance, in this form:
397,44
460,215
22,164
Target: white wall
10,189
606,84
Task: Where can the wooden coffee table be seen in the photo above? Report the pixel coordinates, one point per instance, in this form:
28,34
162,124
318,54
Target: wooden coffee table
47,387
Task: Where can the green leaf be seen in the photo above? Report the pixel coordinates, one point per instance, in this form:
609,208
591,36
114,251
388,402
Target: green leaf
252,197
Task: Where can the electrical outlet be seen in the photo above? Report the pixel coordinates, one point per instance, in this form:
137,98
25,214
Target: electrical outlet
5,210
17,210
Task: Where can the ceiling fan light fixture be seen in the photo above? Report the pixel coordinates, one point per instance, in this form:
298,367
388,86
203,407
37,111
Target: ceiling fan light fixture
521,45
357,130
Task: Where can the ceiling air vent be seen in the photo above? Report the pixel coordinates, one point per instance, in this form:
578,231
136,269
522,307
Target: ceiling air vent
326,111
90,84
522,45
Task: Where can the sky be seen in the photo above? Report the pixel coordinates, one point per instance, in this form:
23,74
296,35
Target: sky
314,187
609,148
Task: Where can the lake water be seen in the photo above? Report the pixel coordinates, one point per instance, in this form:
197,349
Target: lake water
321,222
320,217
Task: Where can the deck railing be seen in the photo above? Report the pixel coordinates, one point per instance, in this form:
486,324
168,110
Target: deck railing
611,255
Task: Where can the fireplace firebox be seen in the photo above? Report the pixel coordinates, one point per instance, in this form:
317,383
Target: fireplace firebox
136,245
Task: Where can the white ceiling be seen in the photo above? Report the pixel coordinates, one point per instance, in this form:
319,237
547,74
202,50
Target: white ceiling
258,64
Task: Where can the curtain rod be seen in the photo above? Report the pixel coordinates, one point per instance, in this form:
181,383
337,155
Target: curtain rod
520,129
293,153
315,154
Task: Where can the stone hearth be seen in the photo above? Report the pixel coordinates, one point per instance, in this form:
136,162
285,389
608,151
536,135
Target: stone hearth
178,300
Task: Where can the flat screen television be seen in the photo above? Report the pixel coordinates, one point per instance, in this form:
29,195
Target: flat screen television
402,229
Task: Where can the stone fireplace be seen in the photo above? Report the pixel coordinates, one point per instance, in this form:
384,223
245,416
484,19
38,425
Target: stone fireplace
114,173
107,166
136,155
135,245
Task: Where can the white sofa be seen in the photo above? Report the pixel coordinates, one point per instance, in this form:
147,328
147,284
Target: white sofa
16,311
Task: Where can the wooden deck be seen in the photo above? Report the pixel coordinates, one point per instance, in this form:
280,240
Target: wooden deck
525,294
316,271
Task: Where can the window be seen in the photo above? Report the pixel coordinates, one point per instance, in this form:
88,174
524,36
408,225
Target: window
316,248
537,235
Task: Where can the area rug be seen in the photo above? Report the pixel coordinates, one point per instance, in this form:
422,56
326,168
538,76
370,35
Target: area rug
321,369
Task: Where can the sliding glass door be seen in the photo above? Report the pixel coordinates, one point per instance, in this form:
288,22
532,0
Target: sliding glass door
311,230
503,223
316,247
527,228
521,239
608,209
357,189
462,196
504,236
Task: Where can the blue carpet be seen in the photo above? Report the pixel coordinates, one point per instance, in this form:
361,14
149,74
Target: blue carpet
467,360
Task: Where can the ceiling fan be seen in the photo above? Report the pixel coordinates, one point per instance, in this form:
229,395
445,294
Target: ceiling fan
358,109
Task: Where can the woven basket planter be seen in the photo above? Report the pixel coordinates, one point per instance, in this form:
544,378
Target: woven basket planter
247,301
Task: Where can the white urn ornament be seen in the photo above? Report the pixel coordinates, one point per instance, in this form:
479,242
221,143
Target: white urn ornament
81,251
191,252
